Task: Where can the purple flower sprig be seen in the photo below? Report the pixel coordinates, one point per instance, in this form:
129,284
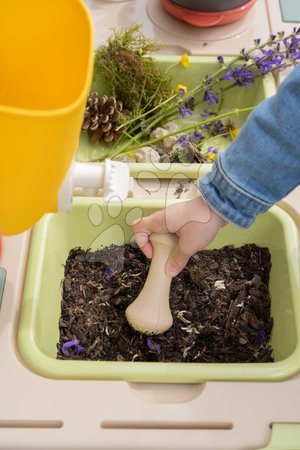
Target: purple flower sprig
69,344
183,111
210,97
241,75
276,53
194,137
194,126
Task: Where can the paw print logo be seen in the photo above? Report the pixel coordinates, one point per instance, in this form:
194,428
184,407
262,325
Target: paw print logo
110,223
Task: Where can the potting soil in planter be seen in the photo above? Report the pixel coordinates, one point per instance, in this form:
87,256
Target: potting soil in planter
220,304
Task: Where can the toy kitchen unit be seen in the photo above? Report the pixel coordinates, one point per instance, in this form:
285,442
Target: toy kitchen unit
85,413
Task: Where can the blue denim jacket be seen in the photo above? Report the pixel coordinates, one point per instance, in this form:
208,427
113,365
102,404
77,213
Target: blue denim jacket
263,164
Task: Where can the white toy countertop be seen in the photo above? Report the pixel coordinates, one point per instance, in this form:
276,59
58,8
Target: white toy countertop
40,413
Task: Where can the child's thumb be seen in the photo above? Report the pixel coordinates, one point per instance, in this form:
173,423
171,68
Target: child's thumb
177,262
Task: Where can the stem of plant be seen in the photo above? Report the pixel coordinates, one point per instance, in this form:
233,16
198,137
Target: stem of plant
189,128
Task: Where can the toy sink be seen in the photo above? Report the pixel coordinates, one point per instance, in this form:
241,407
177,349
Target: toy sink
93,224
199,66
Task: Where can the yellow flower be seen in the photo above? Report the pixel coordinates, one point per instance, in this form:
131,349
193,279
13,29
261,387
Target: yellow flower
184,61
212,156
130,154
234,133
181,89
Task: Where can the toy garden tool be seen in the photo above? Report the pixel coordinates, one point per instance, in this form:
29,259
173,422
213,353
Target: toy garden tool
46,54
150,312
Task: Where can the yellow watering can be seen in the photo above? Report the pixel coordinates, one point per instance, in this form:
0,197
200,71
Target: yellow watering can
46,61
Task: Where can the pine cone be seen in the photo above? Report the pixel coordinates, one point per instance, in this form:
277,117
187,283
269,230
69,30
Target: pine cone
102,118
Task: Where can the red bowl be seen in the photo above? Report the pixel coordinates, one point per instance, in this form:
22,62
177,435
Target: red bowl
206,19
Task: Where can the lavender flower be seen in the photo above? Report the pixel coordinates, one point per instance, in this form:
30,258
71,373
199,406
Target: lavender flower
206,113
220,59
217,128
245,56
242,75
210,97
184,111
190,103
182,139
196,136
73,343
269,61
153,346
295,56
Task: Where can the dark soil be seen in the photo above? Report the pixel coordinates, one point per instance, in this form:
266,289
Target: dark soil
220,304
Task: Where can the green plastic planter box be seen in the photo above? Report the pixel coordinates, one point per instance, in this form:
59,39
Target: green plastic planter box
92,224
199,67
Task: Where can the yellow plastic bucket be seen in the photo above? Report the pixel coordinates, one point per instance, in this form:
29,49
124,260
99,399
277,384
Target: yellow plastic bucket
46,54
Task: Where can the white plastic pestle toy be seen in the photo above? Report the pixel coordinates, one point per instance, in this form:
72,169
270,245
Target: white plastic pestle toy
150,313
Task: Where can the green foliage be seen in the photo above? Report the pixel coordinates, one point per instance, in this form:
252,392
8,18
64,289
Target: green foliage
131,75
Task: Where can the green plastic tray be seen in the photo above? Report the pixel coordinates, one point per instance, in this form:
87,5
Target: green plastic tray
199,67
92,224
285,436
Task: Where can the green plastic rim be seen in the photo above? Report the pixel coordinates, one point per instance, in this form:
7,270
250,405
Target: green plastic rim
92,224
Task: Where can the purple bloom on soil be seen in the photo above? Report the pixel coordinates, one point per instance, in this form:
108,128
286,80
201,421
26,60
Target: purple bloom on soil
210,97
154,346
184,111
73,343
262,337
213,292
220,59
109,273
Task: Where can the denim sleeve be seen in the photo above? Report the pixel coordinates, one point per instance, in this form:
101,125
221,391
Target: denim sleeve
263,164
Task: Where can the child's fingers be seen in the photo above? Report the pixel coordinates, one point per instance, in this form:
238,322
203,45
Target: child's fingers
142,239
155,223
178,260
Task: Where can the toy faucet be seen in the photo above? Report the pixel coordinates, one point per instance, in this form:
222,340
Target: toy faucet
150,313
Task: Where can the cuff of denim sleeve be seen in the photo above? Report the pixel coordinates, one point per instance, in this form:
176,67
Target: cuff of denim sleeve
227,199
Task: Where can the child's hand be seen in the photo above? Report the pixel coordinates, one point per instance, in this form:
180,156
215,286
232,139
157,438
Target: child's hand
193,221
